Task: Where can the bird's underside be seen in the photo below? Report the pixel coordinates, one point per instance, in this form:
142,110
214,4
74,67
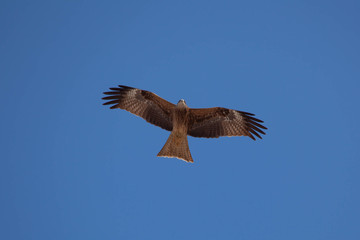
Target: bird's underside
182,121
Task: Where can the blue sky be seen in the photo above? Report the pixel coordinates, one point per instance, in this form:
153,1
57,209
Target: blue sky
74,169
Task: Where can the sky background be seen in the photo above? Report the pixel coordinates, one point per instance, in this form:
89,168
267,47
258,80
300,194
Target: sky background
74,169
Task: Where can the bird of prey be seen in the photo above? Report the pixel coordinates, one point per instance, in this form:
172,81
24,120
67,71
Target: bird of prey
181,120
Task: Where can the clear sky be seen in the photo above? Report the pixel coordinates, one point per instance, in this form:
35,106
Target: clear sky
74,169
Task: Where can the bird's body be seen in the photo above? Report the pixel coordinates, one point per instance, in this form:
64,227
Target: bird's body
182,120
177,143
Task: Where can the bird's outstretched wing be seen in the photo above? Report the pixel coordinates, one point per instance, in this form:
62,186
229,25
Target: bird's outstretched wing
142,103
216,122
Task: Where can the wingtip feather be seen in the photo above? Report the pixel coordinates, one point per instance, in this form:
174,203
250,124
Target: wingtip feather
125,87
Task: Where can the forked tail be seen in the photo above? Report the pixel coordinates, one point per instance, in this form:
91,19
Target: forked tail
176,147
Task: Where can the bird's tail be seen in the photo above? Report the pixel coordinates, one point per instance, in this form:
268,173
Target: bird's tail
177,147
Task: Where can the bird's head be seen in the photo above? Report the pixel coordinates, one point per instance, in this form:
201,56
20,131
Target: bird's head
181,103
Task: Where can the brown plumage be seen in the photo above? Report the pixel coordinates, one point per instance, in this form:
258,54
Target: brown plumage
182,120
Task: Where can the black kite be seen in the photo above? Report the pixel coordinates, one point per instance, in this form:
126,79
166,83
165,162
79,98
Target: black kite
182,120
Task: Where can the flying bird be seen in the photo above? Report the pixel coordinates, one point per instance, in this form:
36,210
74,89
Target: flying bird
182,121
